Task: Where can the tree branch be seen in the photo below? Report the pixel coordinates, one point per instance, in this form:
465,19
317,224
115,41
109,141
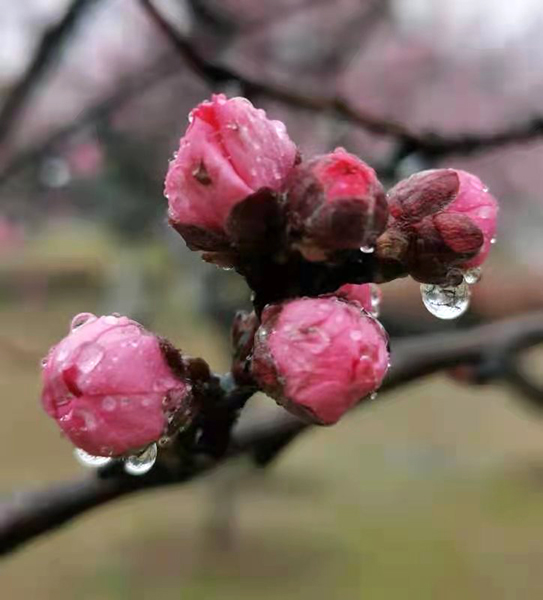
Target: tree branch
427,143
46,52
30,514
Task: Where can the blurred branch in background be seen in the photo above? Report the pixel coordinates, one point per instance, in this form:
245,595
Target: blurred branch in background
494,351
48,50
428,144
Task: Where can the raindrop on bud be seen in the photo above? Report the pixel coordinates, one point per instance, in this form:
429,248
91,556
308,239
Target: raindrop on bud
446,302
90,461
472,276
142,463
80,320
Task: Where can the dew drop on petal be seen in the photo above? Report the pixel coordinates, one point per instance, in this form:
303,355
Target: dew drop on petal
446,302
472,276
375,300
367,249
80,320
89,357
139,464
373,396
90,461
493,240
109,404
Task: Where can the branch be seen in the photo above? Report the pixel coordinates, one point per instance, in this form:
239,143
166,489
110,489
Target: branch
48,49
131,89
426,143
494,348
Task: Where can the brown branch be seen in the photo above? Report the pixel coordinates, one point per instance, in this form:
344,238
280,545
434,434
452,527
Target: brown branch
48,49
130,90
427,143
30,514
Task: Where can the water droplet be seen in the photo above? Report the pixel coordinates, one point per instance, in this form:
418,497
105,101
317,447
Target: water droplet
472,276
375,300
44,361
373,396
446,302
90,461
485,188
164,441
142,463
81,319
62,354
89,357
493,240
367,249
109,403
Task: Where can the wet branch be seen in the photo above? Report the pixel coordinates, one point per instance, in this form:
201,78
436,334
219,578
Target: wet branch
493,350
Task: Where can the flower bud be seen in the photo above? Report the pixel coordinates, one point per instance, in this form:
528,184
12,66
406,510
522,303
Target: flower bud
335,202
110,386
229,151
367,295
319,356
441,220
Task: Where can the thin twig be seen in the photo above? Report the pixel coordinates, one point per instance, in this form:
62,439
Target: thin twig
426,143
47,51
30,514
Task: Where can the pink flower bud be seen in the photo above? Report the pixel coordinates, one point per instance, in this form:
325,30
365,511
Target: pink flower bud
448,218
335,202
109,386
229,151
368,295
319,356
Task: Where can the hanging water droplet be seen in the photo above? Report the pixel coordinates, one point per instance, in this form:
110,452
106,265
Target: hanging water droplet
89,357
44,361
375,300
493,240
109,404
446,302
142,463
373,396
472,276
485,188
164,441
90,461
80,320
367,249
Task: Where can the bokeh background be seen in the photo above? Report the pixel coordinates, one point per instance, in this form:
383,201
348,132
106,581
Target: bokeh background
436,490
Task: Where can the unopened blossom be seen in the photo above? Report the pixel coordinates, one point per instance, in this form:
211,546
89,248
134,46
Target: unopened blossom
230,151
441,219
367,295
335,202
110,388
319,356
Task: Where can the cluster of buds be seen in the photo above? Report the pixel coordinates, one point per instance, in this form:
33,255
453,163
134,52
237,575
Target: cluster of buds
311,237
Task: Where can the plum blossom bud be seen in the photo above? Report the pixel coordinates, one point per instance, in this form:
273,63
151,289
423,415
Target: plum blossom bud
319,356
110,386
230,151
367,295
335,202
441,220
